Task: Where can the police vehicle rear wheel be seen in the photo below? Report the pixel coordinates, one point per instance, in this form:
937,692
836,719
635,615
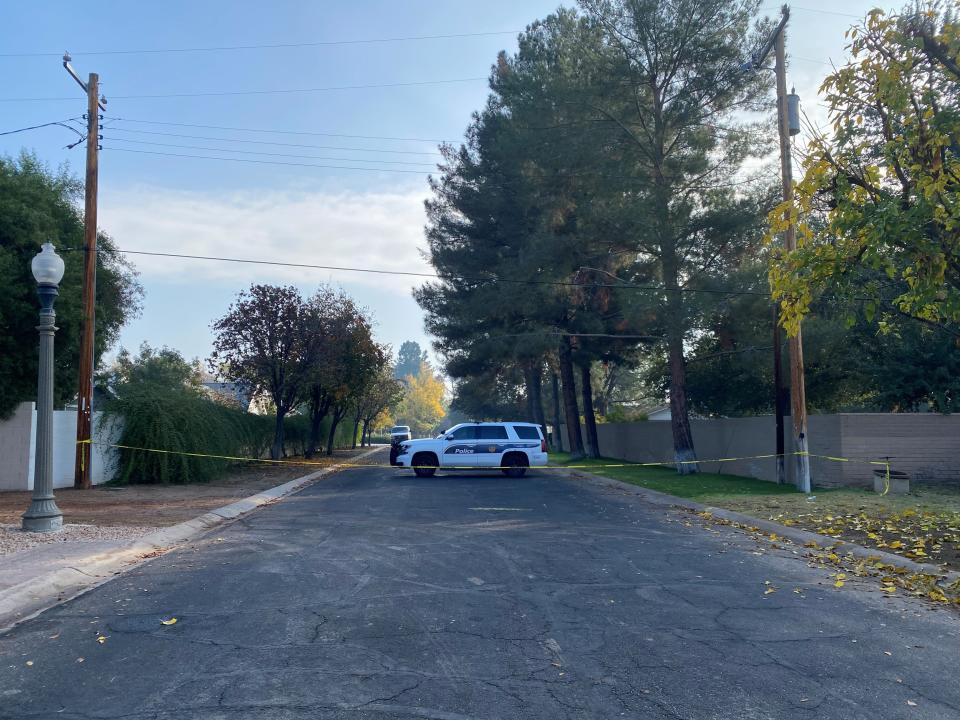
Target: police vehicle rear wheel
515,466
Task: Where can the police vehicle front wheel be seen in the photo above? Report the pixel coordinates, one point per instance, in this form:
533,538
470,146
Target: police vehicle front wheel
425,465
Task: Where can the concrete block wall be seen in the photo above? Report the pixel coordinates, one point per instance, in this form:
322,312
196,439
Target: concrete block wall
18,447
924,445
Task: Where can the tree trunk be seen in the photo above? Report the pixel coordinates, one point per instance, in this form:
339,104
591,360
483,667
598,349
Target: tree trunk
337,417
365,435
276,450
537,397
528,386
356,427
683,451
602,403
571,411
590,419
555,438
319,407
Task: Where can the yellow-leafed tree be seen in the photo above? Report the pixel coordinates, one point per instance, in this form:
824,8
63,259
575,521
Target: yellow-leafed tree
877,211
423,405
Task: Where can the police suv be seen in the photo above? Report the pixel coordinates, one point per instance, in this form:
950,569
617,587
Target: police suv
508,446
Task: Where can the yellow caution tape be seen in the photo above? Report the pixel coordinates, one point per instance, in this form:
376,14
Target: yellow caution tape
662,463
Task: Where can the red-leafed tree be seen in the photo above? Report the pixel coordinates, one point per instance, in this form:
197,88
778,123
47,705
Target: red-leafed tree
265,341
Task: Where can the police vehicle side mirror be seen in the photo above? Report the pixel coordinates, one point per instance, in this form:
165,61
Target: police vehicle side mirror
449,437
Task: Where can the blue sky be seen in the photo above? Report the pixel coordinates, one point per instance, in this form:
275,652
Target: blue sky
328,216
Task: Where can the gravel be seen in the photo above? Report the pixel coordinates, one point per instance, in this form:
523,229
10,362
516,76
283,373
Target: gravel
13,539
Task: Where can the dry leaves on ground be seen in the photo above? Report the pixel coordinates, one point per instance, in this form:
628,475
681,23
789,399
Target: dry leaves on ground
893,579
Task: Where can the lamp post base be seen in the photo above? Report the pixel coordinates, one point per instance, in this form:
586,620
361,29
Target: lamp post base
42,516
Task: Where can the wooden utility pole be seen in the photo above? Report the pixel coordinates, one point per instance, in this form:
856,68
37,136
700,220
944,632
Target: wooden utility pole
798,395
81,473
778,398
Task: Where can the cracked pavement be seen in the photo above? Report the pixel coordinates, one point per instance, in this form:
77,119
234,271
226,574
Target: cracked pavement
375,594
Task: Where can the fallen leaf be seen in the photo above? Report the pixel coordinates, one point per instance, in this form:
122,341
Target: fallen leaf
171,621
838,584
29,663
887,652
911,703
54,637
101,639
769,590
80,659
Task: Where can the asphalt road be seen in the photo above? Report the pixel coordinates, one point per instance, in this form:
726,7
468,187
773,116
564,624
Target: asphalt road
375,594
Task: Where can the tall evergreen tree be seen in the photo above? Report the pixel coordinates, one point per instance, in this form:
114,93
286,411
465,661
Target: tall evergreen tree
673,90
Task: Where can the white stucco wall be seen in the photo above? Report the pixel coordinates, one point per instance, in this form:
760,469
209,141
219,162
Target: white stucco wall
18,447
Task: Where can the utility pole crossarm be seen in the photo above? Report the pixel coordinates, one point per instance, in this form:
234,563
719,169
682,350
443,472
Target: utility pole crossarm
102,101
758,58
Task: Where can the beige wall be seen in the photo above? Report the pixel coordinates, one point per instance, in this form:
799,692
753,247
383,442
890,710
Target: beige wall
927,446
16,448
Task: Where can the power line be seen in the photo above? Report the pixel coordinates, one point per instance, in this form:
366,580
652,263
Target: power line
815,10
435,276
557,333
811,60
281,91
285,132
826,12
61,123
505,185
272,154
278,144
268,46
268,162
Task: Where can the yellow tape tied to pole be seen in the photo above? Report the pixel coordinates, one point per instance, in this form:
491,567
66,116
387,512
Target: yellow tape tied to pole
664,463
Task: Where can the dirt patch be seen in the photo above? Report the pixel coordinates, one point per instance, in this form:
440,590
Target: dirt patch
162,505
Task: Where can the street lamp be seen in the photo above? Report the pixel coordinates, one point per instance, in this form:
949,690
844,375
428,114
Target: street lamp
43,515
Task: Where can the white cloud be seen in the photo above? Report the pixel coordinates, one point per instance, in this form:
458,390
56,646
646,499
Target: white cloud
380,230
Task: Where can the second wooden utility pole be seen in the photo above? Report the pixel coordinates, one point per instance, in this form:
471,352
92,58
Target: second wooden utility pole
81,471
798,394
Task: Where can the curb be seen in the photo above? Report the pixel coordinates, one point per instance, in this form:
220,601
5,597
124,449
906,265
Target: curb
793,534
32,597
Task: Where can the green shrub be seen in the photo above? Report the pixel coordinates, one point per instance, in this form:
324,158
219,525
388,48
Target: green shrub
621,414
296,433
158,424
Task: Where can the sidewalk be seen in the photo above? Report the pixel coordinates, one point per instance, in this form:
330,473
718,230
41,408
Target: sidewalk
35,578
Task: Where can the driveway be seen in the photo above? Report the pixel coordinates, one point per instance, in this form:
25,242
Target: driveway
375,594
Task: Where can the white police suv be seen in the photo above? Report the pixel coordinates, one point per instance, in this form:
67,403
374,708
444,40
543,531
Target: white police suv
508,446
